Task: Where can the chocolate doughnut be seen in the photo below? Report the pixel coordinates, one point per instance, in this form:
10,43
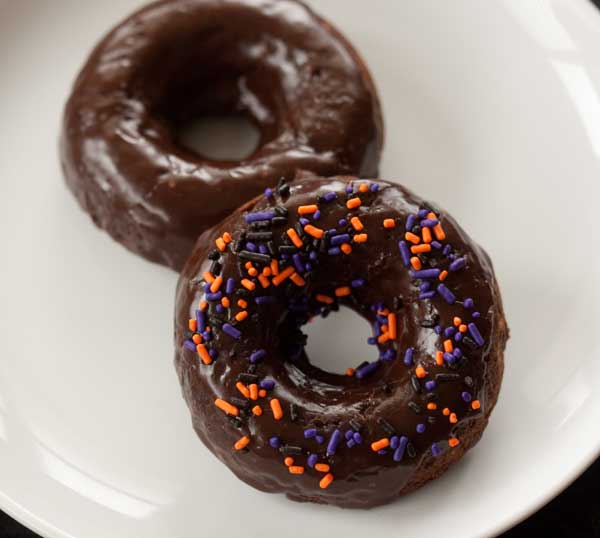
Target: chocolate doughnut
391,423
293,75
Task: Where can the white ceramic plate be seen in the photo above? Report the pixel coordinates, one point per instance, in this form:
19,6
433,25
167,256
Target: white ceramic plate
493,110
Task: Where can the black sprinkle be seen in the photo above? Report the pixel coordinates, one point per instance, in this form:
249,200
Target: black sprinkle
355,425
290,450
239,402
398,303
415,407
416,230
236,246
287,249
215,268
415,384
252,369
410,450
469,342
236,421
212,320
271,248
282,211
284,189
278,221
261,225
294,415
469,381
247,378
299,229
254,256
430,396
443,378
386,426
431,419
430,323
214,255
243,292
259,236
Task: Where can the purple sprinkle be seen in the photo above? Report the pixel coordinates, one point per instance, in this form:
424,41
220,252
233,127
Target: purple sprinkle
374,187
458,337
200,321
261,215
263,249
251,246
382,452
275,442
334,441
265,299
214,296
449,331
334,251
190,345
427,295
207,287
337,240
421,428
317,214
457,264
371,340
366,370
438,329
476,334
342,222
436,245
469,303
430,385
476,314
312,460
330,196
258,355
446,250
457,353
206,336
435,450
423,213
446,294
466,396
388,355
313,255
429,223
220,309
394,442
268,192
410,222
357,438
231,331
426,273
404,252
213,353
349,188
350,443
267,384
408,356
309,433
358,283
399,452
307,267
449,358
304,221
319,439
230,286
348,435
425,286
298,263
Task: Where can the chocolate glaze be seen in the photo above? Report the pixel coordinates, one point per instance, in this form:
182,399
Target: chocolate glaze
328,401
275,61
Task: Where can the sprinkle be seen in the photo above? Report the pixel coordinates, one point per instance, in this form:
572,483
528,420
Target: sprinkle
363,187
443,275
295,238
220,244
242,304
457,264
342,291
392,326
312,460
412,238
309,433
248,284
267,384
192,325
288,461
337,240
349,372
262,393
243,389
353,203
334,441
253,391
307,209
446,293
231,331
322,467
334,251
190,345
474,331
429,223
326,481
296,469
261,215
435,450
330,196
475,404
346,248
416,263
227,407
208,276
313,231
204,355
439,232
453,441
399,452
410,222
469,303
466,396
404,252
408,356
276,409
216,284
283,275
426,234
360,238
420,372
275,442
264,281
242,442
453,418
365,370
257,356
358,283
420,249
212,297
225,302
356,224
378,445
430,385
420,428
389,223
297,279
432,406
324,299
426,273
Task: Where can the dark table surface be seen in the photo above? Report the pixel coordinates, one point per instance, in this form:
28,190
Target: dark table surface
573,514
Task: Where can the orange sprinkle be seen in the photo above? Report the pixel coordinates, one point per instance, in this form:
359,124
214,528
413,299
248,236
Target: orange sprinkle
389,223
453,418
276,408
264,281
463,328
416,263
241,316
445,411
288,461
252,271
225,302
457,321
349,372
439,358
384,329
242,304
448,347
363,187
443,275
288,271
297,279
257,410
360,238
324,299
426,234
383,312
192,325
315,232
242,442
382,339
203,352
248,265
322,467
220,244
420,249
253,391
307,209
420,372
275,267
227,237
356,224
197,339
293,235
325,481
453,441
227,407
203,305
439,232
378,445
346,248
353,203
411,237
431,406
266,271
476,404
214,287
248,284
296,469
243,389
392,326
262,393
342,291
208,276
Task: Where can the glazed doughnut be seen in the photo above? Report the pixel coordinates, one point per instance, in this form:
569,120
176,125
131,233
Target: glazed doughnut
395,420
294,76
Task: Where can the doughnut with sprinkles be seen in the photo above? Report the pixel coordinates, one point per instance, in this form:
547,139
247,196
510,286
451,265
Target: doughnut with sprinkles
397,419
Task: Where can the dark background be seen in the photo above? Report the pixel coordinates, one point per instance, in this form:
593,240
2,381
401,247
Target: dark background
573,514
